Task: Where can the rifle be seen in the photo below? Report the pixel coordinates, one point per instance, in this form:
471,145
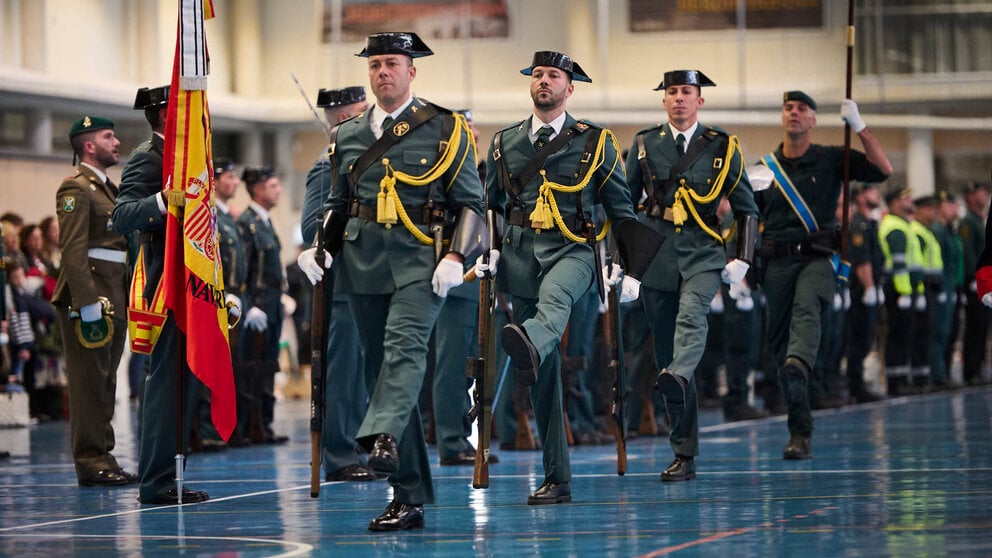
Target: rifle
614,346
322,292
483,367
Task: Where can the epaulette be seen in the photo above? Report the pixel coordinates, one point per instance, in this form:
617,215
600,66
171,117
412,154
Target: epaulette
652,128
144,146
714,131
439,108
587,124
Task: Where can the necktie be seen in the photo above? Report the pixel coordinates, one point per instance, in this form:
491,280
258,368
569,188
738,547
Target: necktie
111,186
680,143
543,137
387,124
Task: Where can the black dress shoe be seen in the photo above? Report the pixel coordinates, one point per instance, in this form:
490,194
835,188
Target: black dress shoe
672,386
399,517
551,493
356,472
798,448
384,456
524,354
467,457
105,477
683,468
169,497
131,477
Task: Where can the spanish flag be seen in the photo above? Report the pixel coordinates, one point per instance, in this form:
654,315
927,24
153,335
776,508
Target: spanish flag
193,278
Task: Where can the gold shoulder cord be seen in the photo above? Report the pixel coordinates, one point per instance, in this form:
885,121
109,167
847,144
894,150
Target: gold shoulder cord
687,197
389,206
546,210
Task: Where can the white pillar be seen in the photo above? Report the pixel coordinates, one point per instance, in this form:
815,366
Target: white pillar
920,177
40,131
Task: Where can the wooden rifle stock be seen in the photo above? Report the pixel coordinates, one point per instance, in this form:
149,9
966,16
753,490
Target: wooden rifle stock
614,343
483,368
318,338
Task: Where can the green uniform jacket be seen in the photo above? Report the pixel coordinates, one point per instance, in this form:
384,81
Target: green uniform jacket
376,259
85,205
232,253
692,250
137,208
972,231
520,270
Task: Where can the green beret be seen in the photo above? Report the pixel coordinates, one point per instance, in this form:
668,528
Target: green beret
798,96
90,124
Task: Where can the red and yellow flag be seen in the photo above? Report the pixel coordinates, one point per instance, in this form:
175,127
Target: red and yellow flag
192,278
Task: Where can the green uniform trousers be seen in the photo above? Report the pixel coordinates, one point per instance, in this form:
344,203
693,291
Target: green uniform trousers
395,330
678,322
798,290
345,388
456,339
544,319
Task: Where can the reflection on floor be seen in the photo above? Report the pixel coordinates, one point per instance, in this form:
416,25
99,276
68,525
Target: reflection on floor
907,476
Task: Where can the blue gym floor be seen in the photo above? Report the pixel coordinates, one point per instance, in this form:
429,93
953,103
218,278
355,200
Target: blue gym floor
910,476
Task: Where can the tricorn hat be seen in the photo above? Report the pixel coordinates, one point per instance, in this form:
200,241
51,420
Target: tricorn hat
254,175
327,98
90,124
684,77
395,43
798,96
155,97
222,165
927,201
557,60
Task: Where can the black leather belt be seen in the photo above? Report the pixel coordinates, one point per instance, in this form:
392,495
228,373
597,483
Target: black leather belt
368,212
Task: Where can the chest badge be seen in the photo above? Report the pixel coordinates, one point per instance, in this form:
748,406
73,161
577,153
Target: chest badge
69,204
401,128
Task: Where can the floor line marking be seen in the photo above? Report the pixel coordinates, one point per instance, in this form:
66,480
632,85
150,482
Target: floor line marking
298,548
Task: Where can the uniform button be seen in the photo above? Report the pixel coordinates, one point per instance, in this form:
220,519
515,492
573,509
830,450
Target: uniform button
423,161
346,234
151,219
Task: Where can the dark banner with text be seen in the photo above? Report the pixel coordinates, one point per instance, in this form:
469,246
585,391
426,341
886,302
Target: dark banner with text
431,19
697,15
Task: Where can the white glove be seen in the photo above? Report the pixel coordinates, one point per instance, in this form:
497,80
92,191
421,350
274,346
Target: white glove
921,303
963,300
987,299
739,291
974,286
847,299
630,289
734,271
611,274
745,303
308,263
942,298
288,304
870,298
256,319
481,268
838,301
447,275
91,312
4,338
904,302
881,296
716,305
849,112
233,304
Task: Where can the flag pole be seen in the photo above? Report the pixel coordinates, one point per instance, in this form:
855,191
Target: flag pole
846,193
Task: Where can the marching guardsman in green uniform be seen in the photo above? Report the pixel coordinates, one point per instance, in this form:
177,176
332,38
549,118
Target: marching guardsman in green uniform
685,168
345,382
403,176
546,174
865,283
264,283
799,243
976,316
928,290
141,206
902,257
91,299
